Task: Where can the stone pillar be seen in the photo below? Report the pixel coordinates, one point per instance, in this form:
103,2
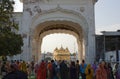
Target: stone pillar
39,49
79,50
25,30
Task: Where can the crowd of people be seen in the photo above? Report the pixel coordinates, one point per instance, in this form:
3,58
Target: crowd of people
74,70
15,69
59,70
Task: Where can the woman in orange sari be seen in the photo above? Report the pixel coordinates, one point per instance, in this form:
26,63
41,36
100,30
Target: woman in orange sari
42,71
49,70
101,72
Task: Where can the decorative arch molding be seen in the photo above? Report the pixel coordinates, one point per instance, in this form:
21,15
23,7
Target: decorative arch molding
60,14
59,31
52,25
58,9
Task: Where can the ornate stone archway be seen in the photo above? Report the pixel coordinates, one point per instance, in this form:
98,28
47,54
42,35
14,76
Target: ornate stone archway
42,17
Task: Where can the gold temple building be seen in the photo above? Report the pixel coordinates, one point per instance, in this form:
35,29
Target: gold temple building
61,54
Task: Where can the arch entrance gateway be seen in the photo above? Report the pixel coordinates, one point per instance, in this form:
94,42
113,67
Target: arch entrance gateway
44,17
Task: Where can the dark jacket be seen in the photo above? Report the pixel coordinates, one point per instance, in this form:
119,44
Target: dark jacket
16,75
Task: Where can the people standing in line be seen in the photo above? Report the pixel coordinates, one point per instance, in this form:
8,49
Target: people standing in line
82,69
77,69
101,72
89,72
73,72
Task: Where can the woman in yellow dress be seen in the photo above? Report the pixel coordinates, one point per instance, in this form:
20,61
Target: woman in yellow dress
89,72
24,67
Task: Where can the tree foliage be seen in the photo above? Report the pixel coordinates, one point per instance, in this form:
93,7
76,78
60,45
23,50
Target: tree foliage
10,41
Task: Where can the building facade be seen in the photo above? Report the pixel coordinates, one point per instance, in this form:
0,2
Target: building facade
106,43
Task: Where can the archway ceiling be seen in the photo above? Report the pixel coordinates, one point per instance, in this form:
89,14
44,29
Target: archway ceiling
59,27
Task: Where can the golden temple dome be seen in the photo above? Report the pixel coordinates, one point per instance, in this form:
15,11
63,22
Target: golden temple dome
61,54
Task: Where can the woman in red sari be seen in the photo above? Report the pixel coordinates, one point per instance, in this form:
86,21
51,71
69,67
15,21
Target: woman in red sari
41,74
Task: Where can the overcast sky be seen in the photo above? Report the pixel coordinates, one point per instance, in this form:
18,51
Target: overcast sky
107,18
107,15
